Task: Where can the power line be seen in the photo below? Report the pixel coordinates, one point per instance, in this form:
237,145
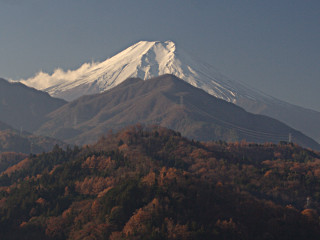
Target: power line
249,132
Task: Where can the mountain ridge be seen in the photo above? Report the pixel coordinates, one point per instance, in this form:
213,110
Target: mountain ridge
147,59
170,102
143,60
23,107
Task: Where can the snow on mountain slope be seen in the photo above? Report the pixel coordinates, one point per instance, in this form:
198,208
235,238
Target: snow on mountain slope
150,59
144,60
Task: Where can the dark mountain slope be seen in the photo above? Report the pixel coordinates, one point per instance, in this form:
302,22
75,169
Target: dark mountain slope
170,102
12,140
303,119
4,126
24,107
147,59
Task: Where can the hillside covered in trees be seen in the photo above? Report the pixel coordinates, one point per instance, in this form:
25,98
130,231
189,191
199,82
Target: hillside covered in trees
151,183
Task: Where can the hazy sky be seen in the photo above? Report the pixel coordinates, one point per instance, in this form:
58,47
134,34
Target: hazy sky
271,45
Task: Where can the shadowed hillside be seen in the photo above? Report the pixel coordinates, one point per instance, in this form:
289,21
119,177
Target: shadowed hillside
170,102
24,107
12,140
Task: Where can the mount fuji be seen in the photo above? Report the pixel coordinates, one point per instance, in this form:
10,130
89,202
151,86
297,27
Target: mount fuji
147,59
142,60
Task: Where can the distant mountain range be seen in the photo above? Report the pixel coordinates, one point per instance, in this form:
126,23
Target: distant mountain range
150,59
4,126
25,108
167,101
12,140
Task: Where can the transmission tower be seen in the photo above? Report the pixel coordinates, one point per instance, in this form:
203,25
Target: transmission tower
181,95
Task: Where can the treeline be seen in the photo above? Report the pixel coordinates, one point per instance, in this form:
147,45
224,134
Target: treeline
151,183
8,159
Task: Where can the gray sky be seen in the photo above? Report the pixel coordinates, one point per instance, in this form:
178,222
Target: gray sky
271,45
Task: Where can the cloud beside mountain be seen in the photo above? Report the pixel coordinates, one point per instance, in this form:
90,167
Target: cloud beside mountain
147,59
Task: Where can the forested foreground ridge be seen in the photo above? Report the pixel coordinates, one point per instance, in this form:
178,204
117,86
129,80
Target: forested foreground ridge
151,183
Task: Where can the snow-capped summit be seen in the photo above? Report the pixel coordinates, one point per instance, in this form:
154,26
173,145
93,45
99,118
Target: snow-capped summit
145,59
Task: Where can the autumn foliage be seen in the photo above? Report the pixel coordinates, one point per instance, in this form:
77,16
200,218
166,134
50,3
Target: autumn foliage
151,183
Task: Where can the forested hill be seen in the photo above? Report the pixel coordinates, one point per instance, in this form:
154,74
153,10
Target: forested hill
151,183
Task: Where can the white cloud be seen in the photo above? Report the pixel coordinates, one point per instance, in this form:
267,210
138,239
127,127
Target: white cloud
44,80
